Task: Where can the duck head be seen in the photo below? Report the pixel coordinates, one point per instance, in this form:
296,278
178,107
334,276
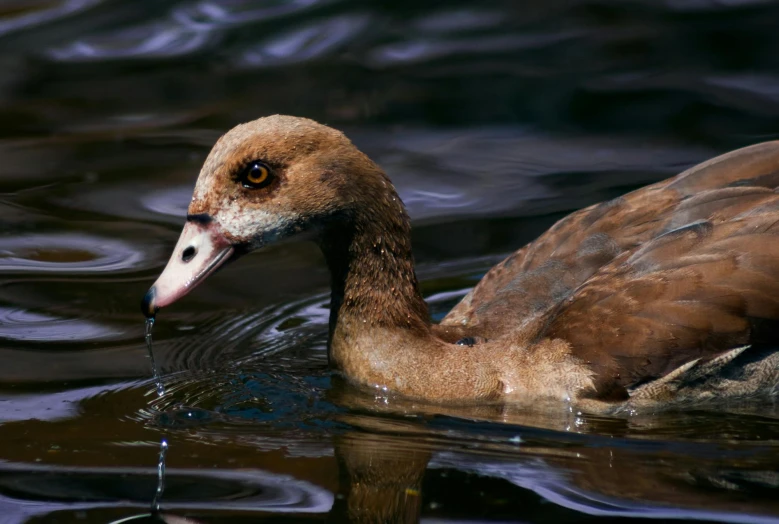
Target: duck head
264,181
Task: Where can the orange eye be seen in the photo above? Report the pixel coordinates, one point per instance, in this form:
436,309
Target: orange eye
256,175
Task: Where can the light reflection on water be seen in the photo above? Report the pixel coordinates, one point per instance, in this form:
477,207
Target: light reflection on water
492,120
68,254
19,324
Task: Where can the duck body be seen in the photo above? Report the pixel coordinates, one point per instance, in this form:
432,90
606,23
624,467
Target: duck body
666,296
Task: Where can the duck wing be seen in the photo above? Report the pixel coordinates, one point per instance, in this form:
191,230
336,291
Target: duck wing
692,293
533,281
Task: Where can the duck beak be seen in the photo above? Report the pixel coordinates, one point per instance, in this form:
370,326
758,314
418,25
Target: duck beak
200,251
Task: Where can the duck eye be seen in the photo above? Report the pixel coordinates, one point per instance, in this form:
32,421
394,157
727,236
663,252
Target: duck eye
256,175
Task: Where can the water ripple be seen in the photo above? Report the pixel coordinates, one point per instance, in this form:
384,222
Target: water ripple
458,21
240,398
27,490
22,325
232,339
184,31
49,13
209,15
560,487
51,406
307,42
470,171
425,50
168,204
461,171
69,253
156,39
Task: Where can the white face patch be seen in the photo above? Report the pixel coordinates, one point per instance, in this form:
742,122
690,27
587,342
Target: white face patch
248,224
236,217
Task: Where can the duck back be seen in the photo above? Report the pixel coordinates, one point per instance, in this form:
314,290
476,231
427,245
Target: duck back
680,273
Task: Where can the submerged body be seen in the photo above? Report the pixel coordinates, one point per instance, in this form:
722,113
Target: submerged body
668,295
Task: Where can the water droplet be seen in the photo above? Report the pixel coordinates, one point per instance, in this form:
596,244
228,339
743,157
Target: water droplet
157,377
155,503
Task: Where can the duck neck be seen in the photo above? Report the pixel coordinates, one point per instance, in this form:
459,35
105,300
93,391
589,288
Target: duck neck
372,273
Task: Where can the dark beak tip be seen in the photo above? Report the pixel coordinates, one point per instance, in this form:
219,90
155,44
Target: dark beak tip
148,308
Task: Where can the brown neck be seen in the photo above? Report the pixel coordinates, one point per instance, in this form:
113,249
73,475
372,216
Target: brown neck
371,266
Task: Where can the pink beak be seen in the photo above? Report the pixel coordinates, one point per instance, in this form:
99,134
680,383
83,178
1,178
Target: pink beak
200,251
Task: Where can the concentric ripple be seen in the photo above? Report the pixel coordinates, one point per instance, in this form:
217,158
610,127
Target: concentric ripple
266,367
23,486
69,253
276,401
171,202
22,325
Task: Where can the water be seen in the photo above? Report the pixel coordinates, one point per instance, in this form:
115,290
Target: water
149,326
492,120
155,503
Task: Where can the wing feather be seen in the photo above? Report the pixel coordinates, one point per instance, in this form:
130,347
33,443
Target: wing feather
534,280
692,293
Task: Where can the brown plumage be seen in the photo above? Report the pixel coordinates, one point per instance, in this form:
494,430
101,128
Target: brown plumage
649,299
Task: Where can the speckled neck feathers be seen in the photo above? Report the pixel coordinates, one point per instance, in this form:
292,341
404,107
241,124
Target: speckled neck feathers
368,251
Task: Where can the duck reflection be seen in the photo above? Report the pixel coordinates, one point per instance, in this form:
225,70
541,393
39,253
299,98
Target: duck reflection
383,459
379,480
595,465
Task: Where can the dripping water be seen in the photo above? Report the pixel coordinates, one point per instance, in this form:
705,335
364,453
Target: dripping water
157,377
155,503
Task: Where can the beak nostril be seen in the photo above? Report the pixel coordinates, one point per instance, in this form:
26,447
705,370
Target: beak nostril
188,254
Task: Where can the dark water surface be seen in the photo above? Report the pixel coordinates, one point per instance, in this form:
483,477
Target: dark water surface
492,117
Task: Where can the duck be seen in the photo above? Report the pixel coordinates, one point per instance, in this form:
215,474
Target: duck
665,296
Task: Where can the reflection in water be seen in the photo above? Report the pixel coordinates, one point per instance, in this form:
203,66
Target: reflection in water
169,202
394,460
305,43
382,482
68,254
22,325
39,13
27,491
379,481
597,465
183,30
